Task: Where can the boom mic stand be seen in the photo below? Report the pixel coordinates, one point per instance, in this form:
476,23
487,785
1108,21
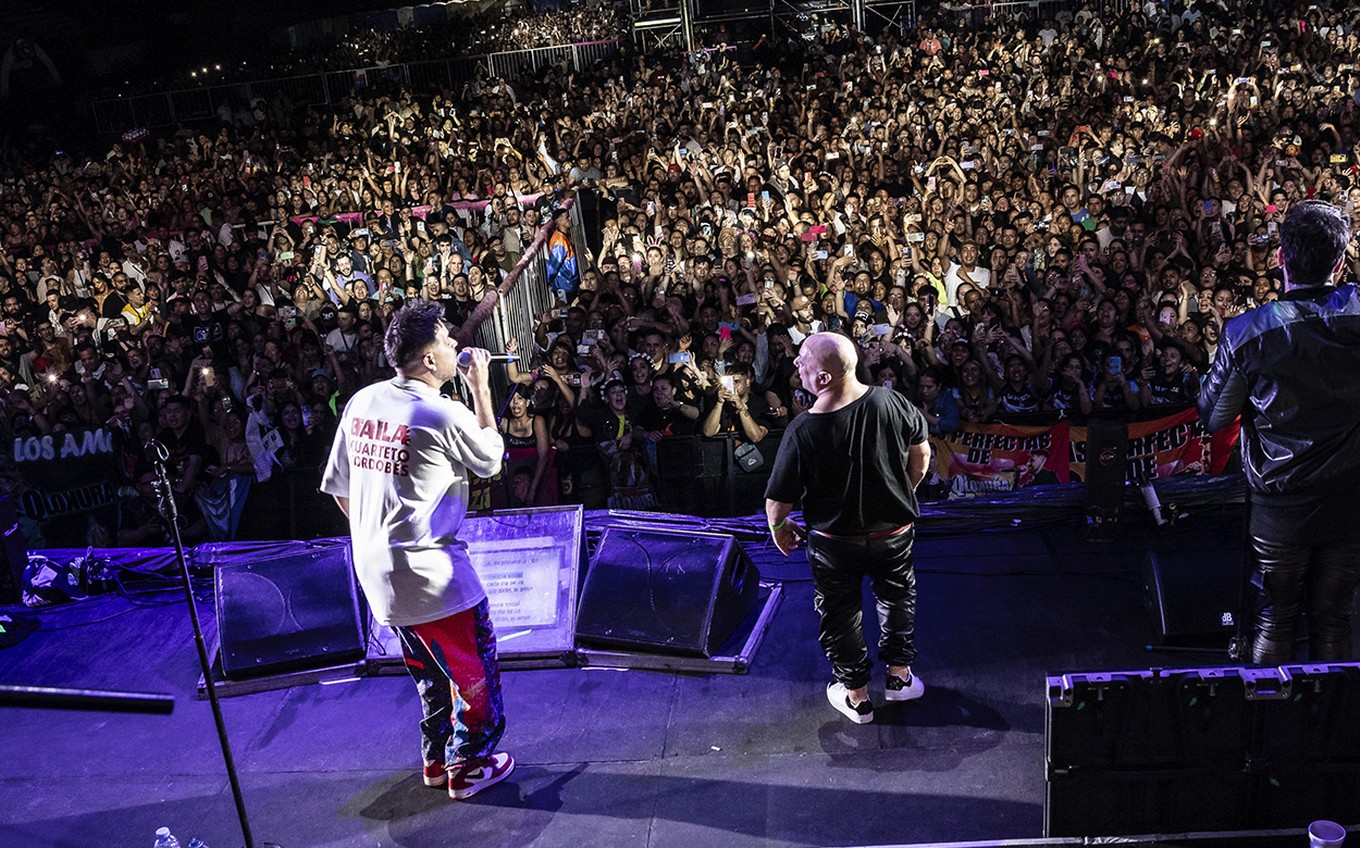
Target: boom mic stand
168,510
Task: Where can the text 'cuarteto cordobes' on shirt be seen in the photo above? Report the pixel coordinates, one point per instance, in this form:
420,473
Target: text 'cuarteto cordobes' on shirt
377,445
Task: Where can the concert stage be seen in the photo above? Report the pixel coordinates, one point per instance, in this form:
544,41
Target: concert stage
616,757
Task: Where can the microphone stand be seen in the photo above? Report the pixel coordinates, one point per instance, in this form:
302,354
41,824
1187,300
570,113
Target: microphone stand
169,512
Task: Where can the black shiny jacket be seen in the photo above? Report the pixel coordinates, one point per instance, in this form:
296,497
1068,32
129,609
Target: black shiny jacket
1291,369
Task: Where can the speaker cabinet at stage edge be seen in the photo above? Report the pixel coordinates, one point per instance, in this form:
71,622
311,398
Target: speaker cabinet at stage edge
296,611
14,549
1194,594
667,591
1223,748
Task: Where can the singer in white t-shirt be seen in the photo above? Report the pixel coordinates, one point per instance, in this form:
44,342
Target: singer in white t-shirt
399,468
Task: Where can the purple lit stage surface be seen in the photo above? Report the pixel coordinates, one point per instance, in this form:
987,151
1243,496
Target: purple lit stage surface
628,758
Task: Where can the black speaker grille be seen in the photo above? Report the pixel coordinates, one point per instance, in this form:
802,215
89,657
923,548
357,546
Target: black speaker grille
289,612
661,590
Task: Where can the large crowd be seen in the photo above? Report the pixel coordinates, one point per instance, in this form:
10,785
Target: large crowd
1053,217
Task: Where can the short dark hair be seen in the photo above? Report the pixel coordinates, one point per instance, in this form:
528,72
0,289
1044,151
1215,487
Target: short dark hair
742,369
1313,238
413,328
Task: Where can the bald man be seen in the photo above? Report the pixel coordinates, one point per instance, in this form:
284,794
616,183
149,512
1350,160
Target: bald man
854,459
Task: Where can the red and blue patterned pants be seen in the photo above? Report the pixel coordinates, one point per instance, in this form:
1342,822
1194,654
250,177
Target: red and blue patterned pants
453,663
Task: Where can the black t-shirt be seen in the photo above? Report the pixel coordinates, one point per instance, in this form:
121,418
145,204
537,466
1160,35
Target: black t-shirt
850,466
210,330
1178,390
603,423
182,448
1013,402
729,420
671,422
1327,520
1064,399
456,311
113,305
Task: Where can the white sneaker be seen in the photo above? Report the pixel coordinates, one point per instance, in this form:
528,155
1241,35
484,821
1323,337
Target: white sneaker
898,689
839,696
469,778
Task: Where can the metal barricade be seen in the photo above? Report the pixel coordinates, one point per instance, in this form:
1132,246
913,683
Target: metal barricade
514,318
430,76
111,116
591,53
530,296
195,104
118,114
698,475
513,63
300,91
986,15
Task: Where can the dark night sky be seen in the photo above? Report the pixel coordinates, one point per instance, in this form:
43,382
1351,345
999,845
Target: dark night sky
171,35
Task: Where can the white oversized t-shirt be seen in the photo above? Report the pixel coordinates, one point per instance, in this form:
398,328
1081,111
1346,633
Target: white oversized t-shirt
953,278
402,456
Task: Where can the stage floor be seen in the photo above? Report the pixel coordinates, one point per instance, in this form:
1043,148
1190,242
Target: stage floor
608,758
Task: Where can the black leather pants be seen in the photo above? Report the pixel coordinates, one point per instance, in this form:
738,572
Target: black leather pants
838,571
1323,578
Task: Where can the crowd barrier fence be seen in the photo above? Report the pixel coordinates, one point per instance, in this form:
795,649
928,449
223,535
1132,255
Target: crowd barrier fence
701,476
71,483
113,115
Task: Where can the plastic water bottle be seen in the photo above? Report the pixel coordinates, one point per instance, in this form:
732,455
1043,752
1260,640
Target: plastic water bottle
197,843
165,839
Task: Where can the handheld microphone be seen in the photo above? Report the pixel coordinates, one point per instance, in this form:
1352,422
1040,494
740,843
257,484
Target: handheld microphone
465,358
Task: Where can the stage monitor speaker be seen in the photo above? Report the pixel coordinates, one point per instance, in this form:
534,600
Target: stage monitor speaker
14,549
1194,593
1311,745
1203,749
295,611
669,591
1140,752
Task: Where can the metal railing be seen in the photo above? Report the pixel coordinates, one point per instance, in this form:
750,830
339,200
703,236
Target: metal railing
167,108
982,15
694,475
514,315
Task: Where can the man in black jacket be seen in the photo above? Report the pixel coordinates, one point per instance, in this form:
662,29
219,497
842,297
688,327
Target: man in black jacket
1291,369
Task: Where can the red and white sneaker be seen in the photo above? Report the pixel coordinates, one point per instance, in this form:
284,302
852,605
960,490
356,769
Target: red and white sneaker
436,774
469,778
